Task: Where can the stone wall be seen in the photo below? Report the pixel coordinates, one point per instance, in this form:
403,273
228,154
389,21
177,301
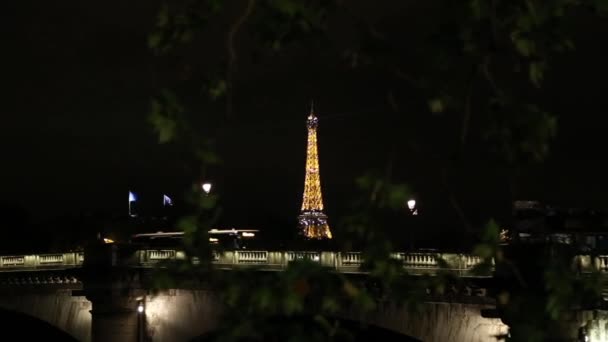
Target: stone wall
59,308
172,315
180,315
438,322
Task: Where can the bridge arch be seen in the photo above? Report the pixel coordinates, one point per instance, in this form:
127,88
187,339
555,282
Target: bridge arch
358,331
55,307
190,313
29,328
438,321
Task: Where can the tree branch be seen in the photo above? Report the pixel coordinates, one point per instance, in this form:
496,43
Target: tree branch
232,55
485,67
467,107
454,202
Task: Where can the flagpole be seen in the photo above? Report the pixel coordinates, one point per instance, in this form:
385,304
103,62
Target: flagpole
129,203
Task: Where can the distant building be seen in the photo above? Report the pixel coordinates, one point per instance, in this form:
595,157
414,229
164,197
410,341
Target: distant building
533,221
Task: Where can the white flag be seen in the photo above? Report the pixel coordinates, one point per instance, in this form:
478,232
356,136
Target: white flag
167,201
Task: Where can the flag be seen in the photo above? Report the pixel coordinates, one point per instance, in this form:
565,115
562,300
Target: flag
132,197
167,200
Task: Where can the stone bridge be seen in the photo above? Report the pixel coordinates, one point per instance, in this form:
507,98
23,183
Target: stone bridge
107,300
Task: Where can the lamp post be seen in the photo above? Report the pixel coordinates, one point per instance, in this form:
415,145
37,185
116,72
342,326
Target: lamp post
206,187
141,321
411,205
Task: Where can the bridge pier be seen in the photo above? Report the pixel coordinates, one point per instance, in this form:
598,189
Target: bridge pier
116,294
116,319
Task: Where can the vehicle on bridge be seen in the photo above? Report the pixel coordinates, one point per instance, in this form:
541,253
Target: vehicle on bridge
222,238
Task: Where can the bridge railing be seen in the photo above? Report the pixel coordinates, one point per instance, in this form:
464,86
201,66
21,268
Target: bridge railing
348,262
41,261
591,263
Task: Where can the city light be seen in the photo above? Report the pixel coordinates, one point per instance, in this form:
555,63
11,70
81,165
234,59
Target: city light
247,234
106,240
206,187
140,308
411,204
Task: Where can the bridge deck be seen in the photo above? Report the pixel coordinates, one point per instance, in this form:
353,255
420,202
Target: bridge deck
350,262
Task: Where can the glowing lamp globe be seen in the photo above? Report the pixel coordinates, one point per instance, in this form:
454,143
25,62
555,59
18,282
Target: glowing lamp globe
411,204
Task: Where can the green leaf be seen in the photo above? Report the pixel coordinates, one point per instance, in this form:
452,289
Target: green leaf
208,156
288,7
491,233
476,7
217,90
536,72
365,302
524,23
330,304
263,298
397,196
207,201
276,45
163,125
162,19
154,40
483,250
304,25
350,289
525,47
436,105
601,6
292,303
186,36
187,224
364,182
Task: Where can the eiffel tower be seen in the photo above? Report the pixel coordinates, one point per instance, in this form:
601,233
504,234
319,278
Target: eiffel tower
312,220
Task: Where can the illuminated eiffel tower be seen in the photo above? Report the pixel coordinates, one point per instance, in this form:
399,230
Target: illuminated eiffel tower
312,220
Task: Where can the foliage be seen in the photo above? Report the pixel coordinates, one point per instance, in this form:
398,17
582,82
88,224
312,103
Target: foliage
541,289
485,63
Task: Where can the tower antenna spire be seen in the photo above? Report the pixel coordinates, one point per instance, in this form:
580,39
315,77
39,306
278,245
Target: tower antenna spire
312,220
312,107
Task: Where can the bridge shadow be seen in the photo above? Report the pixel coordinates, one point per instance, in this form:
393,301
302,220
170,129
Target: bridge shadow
284,329
27,328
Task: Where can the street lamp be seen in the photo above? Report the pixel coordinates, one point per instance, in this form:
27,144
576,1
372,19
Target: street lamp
141,321
411,204
206,188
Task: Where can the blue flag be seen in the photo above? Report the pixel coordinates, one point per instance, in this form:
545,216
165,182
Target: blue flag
167,200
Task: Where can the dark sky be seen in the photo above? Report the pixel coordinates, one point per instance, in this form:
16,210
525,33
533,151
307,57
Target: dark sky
78,78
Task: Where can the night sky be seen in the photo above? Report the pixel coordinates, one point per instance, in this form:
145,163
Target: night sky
78,78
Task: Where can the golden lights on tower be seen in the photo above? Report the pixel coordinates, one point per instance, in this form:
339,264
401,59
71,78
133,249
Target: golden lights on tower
312,220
